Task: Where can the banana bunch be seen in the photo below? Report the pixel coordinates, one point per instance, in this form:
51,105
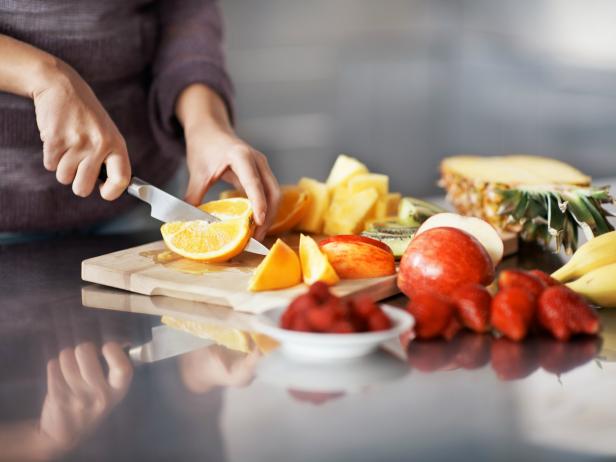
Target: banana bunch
592,270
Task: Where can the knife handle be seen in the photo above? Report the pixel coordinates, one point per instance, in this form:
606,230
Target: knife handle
133,187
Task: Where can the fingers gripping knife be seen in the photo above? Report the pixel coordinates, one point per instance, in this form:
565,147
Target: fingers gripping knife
166,208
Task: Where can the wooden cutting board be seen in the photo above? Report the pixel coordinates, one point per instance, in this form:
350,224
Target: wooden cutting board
151,270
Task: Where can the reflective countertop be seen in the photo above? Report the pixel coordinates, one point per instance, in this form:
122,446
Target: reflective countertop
90,373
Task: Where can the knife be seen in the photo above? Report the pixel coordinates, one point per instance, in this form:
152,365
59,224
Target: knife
166,343
166,208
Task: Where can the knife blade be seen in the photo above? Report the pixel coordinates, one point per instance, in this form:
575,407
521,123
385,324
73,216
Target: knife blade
166,343
166,208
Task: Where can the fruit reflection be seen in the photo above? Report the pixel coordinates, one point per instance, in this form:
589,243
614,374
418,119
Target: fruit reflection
508,359
315,398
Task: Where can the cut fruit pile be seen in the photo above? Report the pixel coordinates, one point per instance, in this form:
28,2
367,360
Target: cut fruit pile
283,268
542,199
321,311
444,272
352,200
335,258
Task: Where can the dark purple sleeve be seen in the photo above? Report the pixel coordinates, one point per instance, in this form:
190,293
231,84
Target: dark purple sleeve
189,51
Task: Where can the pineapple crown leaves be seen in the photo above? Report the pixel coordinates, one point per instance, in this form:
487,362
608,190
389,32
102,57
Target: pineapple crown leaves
555,212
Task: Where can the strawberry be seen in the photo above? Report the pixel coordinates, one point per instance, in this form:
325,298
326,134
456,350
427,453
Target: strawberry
432,312
560,357
299,323
378,321
321,319
299,305
364,306
342,327
473,307
513,360
519,278
287,319
564,313
320,291
547,280
512,312
472,350
342,309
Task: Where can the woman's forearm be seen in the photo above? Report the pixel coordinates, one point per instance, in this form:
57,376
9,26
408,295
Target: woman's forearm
25,70
200,108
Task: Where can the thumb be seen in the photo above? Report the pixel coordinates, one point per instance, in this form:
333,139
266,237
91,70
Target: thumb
197,187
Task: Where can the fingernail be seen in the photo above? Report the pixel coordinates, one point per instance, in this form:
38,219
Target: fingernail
261,218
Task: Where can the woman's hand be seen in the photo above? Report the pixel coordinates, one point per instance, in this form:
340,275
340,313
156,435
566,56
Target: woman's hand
77,133
79,136
214,152
219,155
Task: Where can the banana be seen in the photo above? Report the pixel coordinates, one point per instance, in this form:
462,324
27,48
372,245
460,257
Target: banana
598,285
597,252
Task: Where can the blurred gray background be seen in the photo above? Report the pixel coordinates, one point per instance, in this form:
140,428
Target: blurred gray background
402,83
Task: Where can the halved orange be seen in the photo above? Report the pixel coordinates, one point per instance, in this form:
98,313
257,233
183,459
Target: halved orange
294,204
227,209
315,265
279,269
210,242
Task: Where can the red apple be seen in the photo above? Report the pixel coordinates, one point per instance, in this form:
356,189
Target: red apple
476,227
441,260
356,257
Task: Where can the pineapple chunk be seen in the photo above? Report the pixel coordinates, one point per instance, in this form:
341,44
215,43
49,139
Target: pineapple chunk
348,211
370,180
319,202
386,206
231,193
344,169
340,193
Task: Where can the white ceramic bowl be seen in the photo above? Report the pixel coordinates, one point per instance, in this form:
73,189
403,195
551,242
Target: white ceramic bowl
309,346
